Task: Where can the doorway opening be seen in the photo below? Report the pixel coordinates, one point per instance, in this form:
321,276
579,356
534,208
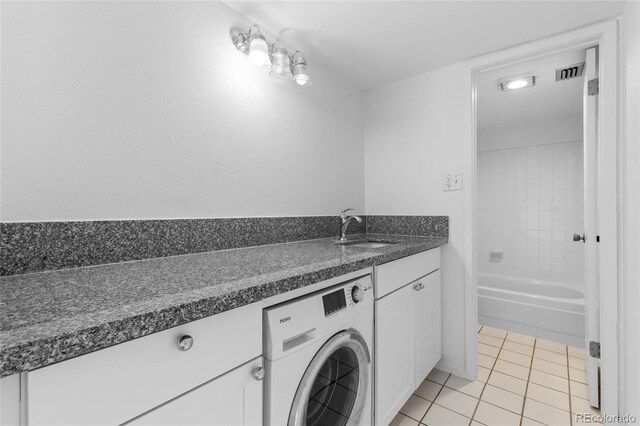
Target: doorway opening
537,223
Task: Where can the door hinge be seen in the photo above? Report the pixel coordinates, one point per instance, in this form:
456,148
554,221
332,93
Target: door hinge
593,87
594,349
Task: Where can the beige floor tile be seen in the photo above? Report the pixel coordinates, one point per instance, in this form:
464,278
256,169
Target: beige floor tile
548,396
486,361
483,374
579,405
550,356
457,401
579,389
516,358
474,423
550,367
402,420
545,414
438,376
520,338
441,416
518,347
488,350
428,390
576,352
490,331
490,340
473,389
506,382
578,363
551,346
415,407
503,398
578,375
512,369
549,380
491,415
528,422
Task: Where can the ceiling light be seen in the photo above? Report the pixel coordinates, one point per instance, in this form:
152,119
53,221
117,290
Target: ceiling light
514,83
254,45
280,67
300,70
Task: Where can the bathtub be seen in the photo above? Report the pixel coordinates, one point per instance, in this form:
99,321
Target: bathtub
544,309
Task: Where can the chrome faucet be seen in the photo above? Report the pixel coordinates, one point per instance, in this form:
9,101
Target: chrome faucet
345,222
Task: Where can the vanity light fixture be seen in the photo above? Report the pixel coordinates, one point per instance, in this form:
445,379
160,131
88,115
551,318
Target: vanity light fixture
283,66
513,83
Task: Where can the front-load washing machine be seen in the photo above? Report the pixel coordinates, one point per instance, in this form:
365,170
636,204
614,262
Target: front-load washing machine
318,366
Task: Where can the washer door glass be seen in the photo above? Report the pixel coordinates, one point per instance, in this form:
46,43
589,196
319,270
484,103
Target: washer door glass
336,385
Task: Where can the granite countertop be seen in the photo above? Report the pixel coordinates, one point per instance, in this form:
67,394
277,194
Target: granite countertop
52,316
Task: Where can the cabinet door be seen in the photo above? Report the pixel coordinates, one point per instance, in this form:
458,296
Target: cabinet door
234,398
394,353
428,328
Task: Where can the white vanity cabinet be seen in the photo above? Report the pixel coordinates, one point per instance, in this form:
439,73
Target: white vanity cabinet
407,329
153,378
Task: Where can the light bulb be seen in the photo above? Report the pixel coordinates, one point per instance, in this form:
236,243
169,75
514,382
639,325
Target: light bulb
259,51
517,84
300,72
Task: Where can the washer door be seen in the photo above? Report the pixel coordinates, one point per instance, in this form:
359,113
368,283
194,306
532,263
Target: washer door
335,389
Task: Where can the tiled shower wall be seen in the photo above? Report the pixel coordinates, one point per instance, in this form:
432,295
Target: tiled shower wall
530,203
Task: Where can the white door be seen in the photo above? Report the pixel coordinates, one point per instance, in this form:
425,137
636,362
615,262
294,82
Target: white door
233,399
427,308
395,353
592,299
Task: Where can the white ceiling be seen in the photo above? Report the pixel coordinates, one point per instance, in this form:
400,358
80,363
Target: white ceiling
548,99
372,43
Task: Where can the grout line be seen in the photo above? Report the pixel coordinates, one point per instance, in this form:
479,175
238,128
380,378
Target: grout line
569,386
434,399
526,389
485,383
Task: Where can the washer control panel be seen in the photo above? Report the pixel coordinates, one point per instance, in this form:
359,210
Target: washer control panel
334,302
301,321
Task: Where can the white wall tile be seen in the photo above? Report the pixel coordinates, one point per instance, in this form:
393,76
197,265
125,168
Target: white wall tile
530,203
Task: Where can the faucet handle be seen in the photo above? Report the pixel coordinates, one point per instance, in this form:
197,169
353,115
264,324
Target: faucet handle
345,211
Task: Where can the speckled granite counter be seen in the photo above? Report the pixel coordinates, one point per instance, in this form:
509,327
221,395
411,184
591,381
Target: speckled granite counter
51,316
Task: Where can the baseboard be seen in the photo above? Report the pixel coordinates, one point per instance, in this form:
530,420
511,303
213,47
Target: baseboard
455,370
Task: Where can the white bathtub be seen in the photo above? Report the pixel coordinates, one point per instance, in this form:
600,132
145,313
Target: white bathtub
544,309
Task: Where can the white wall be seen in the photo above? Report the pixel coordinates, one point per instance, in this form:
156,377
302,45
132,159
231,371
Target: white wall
116,110
556,130
530,202
412,137
629,222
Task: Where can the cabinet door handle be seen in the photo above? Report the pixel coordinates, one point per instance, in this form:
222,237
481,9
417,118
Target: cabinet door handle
418,286
258,373
185,343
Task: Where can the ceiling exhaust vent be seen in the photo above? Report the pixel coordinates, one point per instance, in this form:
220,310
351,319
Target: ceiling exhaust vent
572,71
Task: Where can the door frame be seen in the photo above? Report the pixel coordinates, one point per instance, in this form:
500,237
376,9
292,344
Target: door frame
605,36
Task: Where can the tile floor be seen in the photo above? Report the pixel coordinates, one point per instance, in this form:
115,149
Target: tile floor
521,381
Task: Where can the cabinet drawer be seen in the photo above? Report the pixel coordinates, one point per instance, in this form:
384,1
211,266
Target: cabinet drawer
116,384
393,275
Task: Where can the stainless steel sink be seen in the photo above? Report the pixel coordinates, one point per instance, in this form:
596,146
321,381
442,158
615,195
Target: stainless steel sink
370,243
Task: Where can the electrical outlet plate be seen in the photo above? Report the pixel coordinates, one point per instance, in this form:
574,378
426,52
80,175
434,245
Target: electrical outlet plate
452,182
